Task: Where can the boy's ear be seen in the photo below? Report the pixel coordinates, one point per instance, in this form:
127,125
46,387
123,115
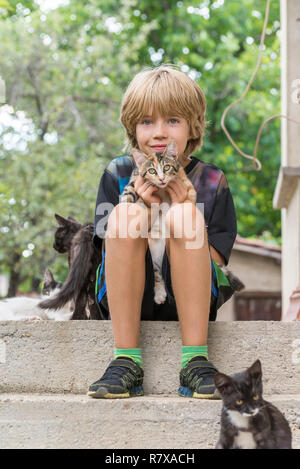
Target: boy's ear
171,149
139,157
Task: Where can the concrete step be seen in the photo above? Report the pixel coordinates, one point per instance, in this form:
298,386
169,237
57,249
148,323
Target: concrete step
66,357
74,421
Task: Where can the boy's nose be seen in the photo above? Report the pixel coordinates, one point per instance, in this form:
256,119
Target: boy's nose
159,130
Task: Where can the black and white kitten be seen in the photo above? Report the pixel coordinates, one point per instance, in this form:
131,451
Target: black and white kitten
21,307
247,420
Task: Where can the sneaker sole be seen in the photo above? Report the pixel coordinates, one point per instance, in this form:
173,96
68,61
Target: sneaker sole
187,392
102,393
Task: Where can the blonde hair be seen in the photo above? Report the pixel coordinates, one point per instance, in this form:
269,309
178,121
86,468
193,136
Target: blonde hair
167,91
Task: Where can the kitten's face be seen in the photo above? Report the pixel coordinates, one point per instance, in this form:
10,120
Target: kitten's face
50,286
65,233
158,168
242,392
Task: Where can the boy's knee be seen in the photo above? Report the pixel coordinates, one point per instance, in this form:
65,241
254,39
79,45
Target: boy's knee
186,222
127,220
181,217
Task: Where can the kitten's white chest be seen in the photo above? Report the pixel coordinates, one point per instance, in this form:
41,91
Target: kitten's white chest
157,228
157,244
238,420
244,438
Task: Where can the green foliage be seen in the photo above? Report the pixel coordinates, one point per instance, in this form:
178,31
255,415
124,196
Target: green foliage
67,70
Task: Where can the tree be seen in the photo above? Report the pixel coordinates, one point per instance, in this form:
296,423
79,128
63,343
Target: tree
69,94
66,71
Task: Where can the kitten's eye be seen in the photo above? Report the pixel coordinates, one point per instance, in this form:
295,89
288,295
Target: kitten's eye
47,292
255,398
239,402
152,171
167,167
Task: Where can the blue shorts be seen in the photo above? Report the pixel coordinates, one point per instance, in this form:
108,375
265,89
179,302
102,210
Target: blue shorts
221,291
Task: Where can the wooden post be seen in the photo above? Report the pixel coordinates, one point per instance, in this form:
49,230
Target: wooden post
287,192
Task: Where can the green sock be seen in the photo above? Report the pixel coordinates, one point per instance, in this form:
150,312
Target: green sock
188,352
134,353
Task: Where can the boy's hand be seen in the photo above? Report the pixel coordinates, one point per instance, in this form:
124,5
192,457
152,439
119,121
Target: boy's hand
177,190
145,190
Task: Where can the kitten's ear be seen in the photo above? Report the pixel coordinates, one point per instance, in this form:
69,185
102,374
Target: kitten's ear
66,221
61,220
255,370
223,383
139,157
48,277
171,149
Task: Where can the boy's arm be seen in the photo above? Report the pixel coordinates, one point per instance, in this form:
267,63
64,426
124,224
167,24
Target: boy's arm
107,198
217,257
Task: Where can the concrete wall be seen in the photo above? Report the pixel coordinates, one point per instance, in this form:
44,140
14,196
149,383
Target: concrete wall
290,45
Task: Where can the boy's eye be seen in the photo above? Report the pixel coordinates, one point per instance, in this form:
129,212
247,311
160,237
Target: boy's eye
152,171
174,121
255,398
146,121
167,167
239,402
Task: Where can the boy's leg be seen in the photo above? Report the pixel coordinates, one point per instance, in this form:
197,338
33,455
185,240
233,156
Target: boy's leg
191,283
125,273
125,281
190,273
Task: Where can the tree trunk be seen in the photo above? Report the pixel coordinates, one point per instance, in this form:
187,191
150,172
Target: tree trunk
35,284
14,282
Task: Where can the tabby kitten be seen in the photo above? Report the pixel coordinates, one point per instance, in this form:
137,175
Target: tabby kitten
159,169
247,420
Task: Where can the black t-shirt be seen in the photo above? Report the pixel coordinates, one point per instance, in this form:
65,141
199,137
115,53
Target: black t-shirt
212,190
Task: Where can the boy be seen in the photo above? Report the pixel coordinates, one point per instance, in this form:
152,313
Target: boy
160,105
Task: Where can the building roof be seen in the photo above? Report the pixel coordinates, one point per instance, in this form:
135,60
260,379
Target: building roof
258,247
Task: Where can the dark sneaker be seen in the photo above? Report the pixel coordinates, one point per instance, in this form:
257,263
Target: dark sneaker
123,378
197,379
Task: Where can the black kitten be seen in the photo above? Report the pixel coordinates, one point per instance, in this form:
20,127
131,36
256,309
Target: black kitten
247,420
79,288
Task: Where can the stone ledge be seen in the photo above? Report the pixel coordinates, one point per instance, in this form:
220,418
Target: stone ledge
73,421
67,357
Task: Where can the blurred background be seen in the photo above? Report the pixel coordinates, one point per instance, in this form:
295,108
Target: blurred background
66,65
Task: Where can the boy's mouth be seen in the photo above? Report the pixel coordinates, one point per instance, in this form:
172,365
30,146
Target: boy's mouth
159,147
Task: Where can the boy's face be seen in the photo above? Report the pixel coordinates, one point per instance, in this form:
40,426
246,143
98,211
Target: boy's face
154,133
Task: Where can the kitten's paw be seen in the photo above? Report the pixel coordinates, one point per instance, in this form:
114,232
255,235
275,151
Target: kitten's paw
160,295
